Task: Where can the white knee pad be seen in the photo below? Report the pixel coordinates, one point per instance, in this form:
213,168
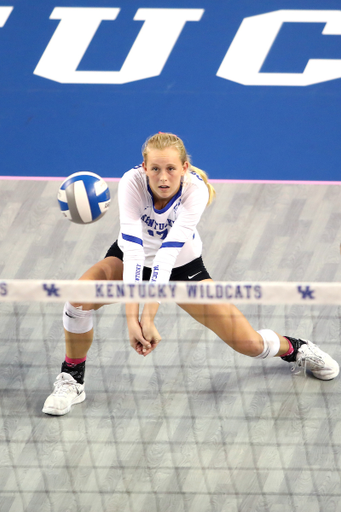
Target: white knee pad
271,344
76,320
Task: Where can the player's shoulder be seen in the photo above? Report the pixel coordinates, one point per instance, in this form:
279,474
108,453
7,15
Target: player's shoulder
133,172
193,182
135,175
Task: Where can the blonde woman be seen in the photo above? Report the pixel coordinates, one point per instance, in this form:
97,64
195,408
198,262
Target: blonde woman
161,202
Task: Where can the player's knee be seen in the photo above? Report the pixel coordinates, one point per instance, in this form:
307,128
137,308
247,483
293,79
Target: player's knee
271,344
114,268
253,346
76,319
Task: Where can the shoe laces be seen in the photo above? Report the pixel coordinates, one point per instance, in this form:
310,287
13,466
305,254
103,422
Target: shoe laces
308,359
62,387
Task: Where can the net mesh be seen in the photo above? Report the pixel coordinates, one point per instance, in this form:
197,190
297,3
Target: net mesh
194,426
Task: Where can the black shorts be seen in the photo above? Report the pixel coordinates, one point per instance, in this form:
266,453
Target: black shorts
195,270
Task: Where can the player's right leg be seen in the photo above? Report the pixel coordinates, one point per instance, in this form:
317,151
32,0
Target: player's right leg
233,328
78,328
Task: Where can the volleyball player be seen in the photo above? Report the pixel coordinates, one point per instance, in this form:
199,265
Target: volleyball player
160,205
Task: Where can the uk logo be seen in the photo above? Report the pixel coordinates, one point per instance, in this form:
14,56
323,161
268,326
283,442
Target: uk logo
307,292
51,290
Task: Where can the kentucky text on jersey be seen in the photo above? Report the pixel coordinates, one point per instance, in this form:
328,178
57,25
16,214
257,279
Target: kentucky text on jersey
151,223
138,272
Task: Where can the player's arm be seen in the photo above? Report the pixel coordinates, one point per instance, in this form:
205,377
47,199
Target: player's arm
131,238
149,330
182,230
130,207
136,337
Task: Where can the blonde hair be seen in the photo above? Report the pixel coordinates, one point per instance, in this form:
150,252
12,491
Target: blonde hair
204,177
169,140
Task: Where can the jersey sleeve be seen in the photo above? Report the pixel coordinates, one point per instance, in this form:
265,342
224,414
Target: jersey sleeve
130,208
192,208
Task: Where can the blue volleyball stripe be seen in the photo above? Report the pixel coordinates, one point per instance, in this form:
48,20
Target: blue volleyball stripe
81,177
93,200
172,244
134,239
104,196
63,206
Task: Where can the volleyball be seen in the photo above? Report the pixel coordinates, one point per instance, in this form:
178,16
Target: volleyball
84,197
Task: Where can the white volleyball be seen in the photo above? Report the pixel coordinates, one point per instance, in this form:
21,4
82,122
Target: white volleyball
84,197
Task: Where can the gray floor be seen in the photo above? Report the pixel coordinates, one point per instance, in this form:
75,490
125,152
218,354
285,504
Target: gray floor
194,427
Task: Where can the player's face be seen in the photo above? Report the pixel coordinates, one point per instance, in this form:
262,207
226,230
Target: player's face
164,170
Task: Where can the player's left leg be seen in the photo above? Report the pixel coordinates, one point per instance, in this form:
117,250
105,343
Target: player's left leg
227,322
78,328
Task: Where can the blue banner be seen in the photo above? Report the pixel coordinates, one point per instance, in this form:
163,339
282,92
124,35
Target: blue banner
253,88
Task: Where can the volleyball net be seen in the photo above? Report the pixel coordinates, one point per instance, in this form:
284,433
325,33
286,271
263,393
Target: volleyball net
229,414
266,293
302,309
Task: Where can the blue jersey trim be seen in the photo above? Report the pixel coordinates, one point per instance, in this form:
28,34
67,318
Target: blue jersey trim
174,198
134,239
172,244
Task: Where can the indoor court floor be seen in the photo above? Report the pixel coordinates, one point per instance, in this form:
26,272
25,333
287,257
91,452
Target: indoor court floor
194,427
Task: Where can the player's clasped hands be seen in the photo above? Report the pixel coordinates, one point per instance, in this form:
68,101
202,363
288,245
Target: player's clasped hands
144,337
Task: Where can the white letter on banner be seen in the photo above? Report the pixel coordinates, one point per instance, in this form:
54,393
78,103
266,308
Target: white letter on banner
70,41
255,38
4,14
146,58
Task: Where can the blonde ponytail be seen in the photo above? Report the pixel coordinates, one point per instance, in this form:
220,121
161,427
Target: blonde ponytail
204,177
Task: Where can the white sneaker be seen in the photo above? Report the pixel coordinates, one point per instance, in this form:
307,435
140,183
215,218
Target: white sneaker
67,392
311,357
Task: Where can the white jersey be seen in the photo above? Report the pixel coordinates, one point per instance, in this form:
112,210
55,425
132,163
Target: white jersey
159,239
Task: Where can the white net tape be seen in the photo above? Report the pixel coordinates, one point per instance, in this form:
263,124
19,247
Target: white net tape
173,292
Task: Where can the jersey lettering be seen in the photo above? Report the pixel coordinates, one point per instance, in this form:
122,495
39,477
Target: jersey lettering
146,58
197,175
138,272
156,225
162,234
254,39
155,273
